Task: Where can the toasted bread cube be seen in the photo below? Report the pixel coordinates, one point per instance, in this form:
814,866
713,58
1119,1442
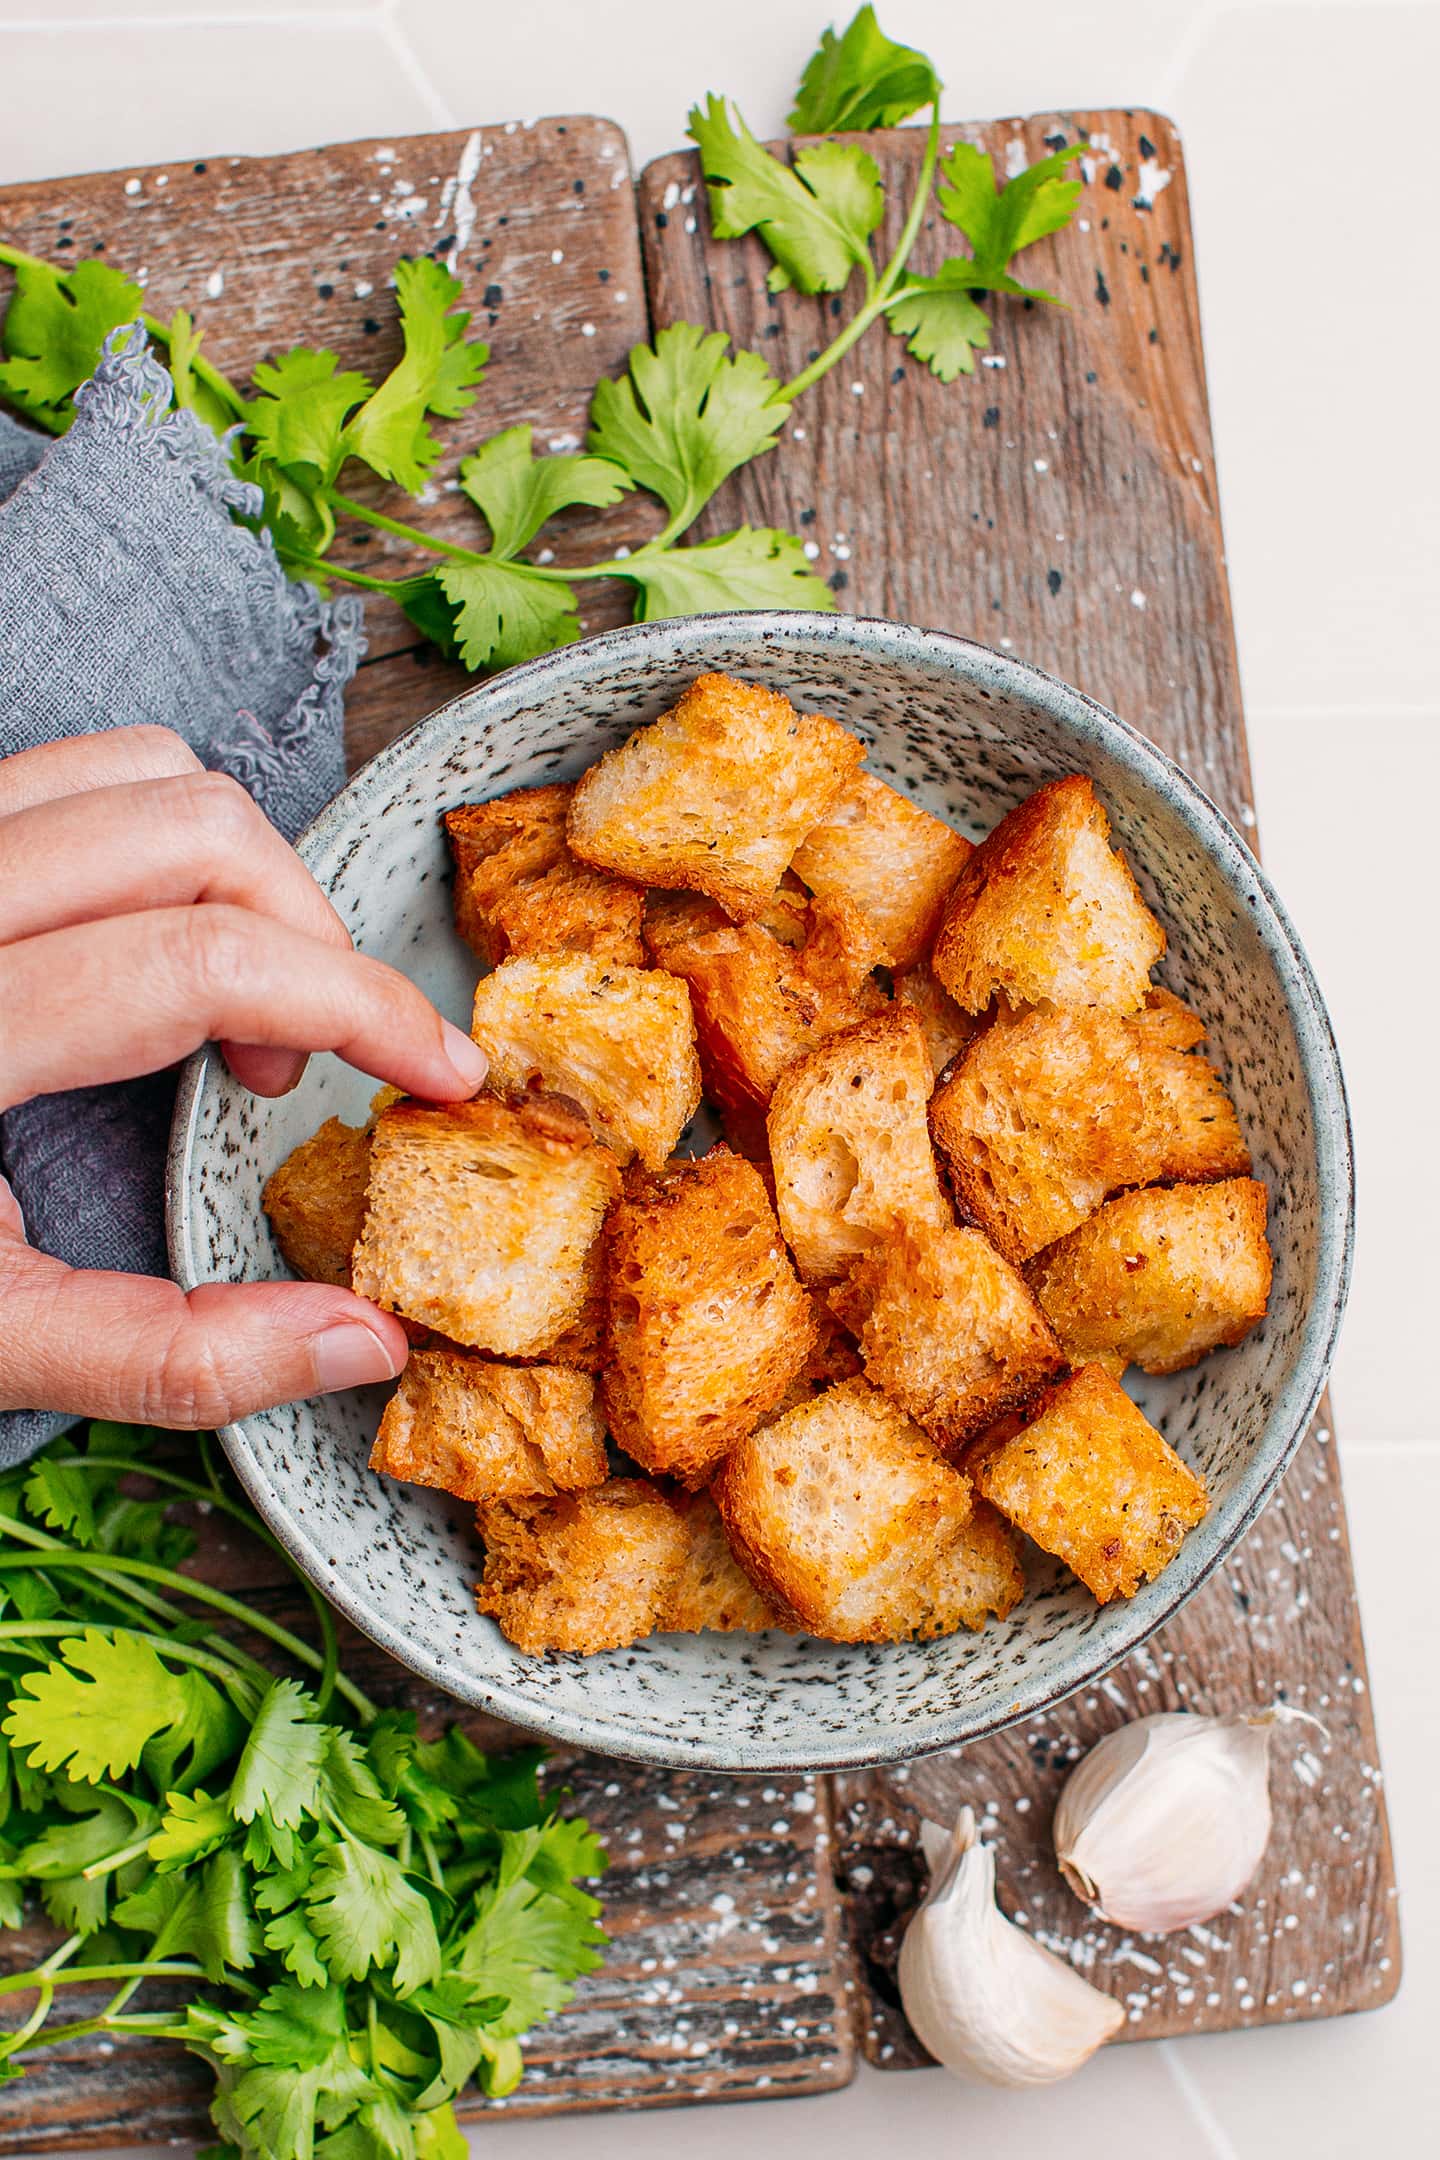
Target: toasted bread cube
596,1570
487,1431
1160,1277
518,888
713,1590
1046,909
849,1144
1048,1113
716,795
316,1201
1195,1130
978,1573
948,1330
947,1030
894,860
836,1509
708,1322
583,1571
764,992
481,1218
618,1041
1090,1480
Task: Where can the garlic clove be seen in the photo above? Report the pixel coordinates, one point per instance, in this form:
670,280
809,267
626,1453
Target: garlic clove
1166,1819
986,1999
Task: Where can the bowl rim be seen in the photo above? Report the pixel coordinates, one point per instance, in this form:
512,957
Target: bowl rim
1085,719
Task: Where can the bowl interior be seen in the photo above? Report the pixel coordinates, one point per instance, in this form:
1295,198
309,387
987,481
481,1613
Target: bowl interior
966,733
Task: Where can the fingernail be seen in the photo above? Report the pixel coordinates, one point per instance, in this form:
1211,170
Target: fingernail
347,1357
468,1059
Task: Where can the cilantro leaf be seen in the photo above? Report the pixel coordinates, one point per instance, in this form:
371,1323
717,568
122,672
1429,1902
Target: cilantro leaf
96,1710
685,415
438,2136
299,417
504,612
861,80
55,330
526,1942
60,1496
998,222
438,374
206,1916
941,321
351,1790
745,569
365,1913
278,1777
296,2027
193,1825
816,219
516,492
103,1823
291,1937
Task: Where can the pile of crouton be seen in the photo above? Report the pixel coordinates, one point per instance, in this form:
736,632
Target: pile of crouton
830,1375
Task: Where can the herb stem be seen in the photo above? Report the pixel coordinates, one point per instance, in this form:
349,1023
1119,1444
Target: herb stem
881,293
113,1862
86,1975
412,533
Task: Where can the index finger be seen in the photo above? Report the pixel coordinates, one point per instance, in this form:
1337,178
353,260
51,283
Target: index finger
79,763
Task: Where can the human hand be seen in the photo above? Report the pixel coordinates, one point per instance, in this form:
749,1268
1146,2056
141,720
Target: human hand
147,907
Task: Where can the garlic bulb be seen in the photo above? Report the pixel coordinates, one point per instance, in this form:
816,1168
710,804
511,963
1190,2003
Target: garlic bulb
985,1998
1166,1819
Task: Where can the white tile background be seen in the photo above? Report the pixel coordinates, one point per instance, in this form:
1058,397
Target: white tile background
1310,131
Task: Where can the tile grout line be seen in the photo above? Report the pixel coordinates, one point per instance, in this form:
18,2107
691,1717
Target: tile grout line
395,36
1206,2121
240,18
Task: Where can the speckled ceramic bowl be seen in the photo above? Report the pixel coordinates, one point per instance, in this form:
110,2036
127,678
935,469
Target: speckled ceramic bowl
967,732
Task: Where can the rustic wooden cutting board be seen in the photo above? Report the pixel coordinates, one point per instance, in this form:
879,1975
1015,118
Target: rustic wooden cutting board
1062,504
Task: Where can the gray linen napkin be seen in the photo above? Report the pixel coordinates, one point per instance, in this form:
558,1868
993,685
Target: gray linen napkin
128,593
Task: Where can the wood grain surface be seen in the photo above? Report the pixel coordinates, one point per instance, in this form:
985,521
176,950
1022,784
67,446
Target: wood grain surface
1063,504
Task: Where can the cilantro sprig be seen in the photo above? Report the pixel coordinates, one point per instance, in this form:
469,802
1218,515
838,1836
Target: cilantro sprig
685,414
353,1923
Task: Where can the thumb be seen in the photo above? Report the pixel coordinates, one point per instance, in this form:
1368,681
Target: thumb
92,1344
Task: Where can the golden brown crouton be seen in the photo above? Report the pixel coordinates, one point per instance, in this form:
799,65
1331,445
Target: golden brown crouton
1157,1278
708,1322
1046,909
486,1431
713,1590
585,1571
597,1570
764,992
618,1041
1048,1113
849,1144
837,1509
977,1573
1088,1478
894,860
947,1029
316,1201
518,888
716,796
948,1330
1196,1133
481,1218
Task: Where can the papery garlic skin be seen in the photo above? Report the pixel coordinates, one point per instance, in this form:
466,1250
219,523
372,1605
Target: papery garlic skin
1166,1820
986,1999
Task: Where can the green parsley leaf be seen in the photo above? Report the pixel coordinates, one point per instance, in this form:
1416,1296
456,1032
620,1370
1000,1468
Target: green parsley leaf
351,1791
941,321
861,80
60,1496
102,1824
816,219
96,1711
278,1778
206,1916
366,1913
745,569
998,222
295,1943
504,613
55,330
299,417
438,374
516,492
685,416
296,2027
193,1825
526,1943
